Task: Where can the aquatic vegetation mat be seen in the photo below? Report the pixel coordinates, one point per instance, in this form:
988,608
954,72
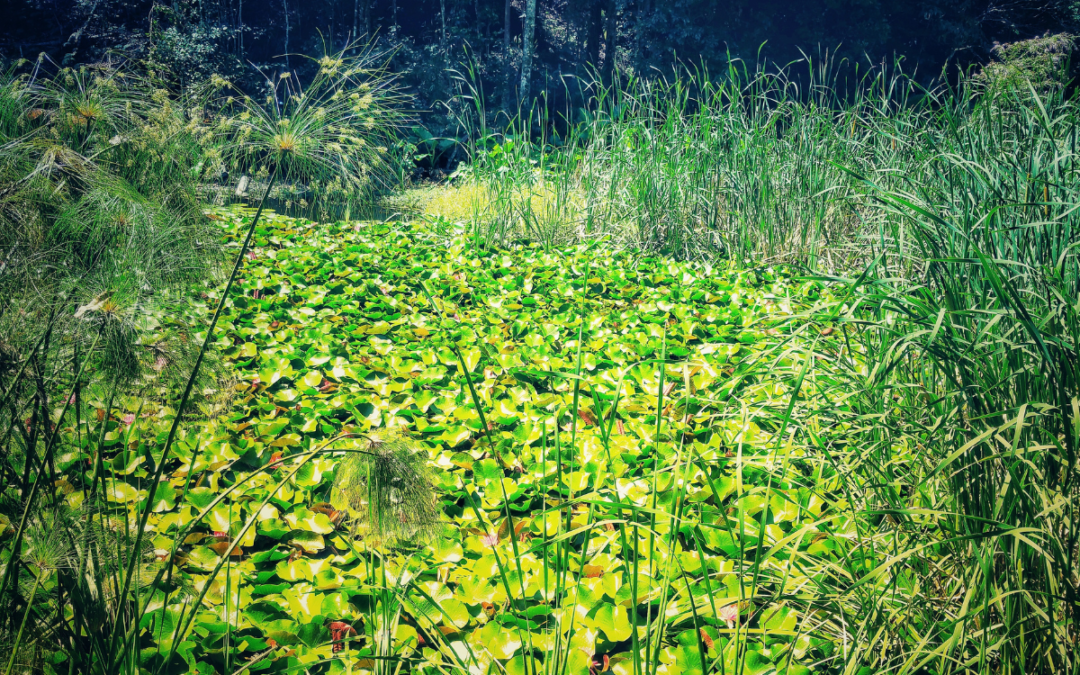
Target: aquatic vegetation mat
612,440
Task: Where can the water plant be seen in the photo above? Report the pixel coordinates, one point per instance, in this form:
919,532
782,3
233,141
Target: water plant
99,175
95,251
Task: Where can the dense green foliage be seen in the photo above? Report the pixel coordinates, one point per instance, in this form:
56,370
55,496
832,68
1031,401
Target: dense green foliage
744,166
758,371
104,241
103,235
194,40
634,422
954,212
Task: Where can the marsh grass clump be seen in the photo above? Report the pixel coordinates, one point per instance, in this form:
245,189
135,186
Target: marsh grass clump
103,243
326,141
758,164
87,223
71,561
108,265
1043,63
387,491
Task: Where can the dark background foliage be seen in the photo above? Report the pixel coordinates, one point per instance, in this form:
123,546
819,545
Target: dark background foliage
205,35
196,38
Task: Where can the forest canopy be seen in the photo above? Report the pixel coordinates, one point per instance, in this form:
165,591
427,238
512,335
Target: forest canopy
201,37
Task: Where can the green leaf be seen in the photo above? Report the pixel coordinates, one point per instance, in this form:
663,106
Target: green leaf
455,611
472,358
117,491
327,580
164,498
500,642
309,542
201,497
519,666
487,471
294,570
283,631
221,517
202,558
783,510
613,621
302,519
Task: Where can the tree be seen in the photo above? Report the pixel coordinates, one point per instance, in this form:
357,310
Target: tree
285,10
193,39
592,33
612,38
507,10
527,49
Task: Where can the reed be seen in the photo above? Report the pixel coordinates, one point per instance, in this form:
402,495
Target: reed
945,221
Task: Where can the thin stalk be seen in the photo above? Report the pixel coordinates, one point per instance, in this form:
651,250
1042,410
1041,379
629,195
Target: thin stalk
160,468
16,545
22,626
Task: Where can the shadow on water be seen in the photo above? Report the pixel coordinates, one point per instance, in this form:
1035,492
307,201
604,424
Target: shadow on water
289,205
333,213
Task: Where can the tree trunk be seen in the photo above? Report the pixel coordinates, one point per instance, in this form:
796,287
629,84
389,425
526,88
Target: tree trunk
285,6
611,41
506,28
592,39
442,15
361,23
527,49
639,35
508,93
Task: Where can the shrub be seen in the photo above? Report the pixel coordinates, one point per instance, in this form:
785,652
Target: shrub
1044,62
102,238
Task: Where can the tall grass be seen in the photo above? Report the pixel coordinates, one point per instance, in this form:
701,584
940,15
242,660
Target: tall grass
750,164
696,166
945,220
981,335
